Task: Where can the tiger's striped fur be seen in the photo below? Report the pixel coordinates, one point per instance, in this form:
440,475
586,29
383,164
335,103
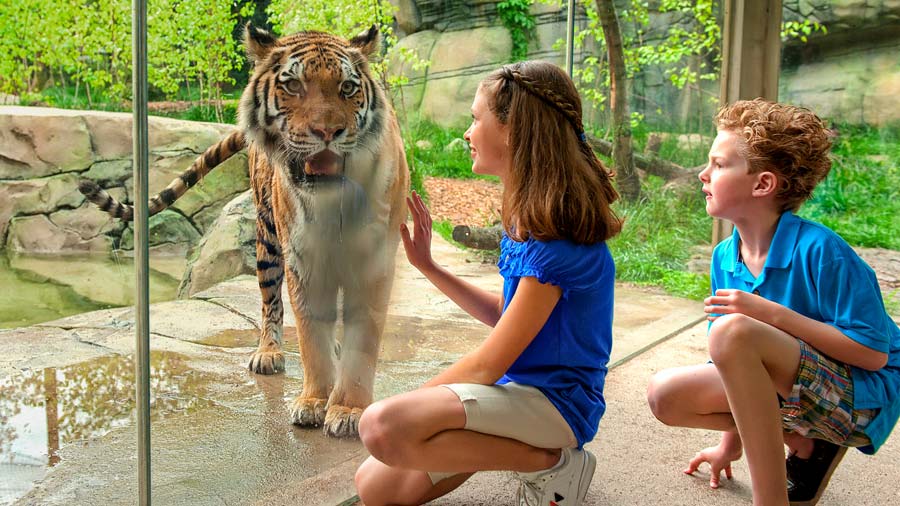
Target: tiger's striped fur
329,178
212,157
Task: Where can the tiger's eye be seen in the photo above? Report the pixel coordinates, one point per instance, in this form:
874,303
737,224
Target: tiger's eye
348,88
294,86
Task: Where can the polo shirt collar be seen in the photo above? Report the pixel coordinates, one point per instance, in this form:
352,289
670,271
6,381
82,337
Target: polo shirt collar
781,250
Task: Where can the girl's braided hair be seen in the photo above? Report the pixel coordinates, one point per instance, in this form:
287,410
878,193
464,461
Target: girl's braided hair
557,187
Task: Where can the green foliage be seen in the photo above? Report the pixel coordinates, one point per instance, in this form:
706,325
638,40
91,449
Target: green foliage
659,233
685,43
191,42
445,229
345,18
443,154
800,29
85,46
892,303
516,17
860,198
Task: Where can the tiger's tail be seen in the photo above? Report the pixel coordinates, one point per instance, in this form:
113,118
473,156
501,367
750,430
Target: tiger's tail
212,157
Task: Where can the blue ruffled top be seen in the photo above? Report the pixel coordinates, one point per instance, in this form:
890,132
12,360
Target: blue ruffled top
567,360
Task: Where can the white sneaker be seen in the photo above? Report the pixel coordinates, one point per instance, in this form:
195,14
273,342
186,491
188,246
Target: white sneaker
565,484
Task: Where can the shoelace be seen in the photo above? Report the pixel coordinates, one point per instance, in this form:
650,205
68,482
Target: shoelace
530,492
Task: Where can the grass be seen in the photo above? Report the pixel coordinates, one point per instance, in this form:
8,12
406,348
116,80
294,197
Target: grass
436,151
860,198
655,244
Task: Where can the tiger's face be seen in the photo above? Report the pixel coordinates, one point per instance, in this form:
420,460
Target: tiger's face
311,101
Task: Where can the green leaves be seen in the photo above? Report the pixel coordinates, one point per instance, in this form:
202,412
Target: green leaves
88,42
517,18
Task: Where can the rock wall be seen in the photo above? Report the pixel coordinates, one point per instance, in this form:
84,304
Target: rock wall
464,41
45,152
851,73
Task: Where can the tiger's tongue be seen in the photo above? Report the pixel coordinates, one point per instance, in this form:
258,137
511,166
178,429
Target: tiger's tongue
322,163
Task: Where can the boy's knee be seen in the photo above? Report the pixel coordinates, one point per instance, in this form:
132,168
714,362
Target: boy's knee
378,434
730,338
660,399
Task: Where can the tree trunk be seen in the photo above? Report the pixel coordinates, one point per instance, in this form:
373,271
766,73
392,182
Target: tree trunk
478,237
623,158
648,163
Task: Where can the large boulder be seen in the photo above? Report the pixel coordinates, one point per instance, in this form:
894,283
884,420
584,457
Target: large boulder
166,228
460,60
227,250
840,74
45,152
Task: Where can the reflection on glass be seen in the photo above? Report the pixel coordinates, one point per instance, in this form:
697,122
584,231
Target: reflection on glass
849,73
39,288
41,411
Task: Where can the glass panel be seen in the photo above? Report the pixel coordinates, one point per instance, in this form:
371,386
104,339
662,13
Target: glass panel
851,81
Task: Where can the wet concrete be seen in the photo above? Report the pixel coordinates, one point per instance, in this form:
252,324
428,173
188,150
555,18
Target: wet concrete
221,435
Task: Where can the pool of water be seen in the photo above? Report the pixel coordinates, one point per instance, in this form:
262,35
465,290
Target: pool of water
42,411
35,289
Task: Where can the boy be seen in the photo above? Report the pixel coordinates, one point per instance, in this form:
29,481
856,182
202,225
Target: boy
803,352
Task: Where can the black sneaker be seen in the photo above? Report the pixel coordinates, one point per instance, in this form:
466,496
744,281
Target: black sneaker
807,478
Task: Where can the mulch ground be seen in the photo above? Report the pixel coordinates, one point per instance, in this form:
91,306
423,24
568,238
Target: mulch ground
473,202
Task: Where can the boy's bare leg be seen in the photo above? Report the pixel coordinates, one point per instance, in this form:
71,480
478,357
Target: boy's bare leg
423,430
691,396
799,445
756,360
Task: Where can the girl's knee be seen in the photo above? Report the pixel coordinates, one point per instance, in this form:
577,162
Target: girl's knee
379,433
367,486
731,337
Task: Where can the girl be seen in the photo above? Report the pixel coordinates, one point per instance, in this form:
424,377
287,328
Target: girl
531,394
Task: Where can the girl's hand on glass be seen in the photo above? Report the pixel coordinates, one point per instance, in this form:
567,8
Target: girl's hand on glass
418,242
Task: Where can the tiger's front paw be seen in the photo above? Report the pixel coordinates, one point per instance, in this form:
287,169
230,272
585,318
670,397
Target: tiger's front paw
308,411
266,362
342,421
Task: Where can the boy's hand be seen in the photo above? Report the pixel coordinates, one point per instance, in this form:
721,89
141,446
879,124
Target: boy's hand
719,459
417,245
730,301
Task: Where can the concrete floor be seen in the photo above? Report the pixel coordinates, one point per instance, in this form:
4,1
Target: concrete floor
221,435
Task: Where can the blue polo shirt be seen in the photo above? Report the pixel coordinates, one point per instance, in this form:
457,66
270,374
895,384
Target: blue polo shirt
814,272
567,358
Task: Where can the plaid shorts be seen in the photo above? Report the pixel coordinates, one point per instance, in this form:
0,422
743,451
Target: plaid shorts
821,403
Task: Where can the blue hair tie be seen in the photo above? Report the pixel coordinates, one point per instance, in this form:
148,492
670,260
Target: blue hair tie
582,137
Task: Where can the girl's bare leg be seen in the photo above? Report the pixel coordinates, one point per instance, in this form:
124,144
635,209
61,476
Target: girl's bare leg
381,485
423,430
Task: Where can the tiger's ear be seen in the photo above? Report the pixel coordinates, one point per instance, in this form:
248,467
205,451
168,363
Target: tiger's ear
367,42
258,43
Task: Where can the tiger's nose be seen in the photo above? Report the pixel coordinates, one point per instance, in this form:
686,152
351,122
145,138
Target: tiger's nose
325,133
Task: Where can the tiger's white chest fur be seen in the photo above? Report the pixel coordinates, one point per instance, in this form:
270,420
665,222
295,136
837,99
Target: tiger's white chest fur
339,230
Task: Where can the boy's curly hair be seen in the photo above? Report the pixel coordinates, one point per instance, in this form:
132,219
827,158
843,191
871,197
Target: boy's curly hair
792,142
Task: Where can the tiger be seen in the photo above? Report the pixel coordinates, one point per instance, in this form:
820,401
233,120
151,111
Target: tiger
329,180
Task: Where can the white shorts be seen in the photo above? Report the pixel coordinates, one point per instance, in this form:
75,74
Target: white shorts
514,411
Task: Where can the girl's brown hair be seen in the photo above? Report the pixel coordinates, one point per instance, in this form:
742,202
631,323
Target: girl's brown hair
791,142
556,188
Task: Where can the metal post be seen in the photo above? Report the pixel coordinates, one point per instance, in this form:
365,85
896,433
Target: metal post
570,37
141,249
